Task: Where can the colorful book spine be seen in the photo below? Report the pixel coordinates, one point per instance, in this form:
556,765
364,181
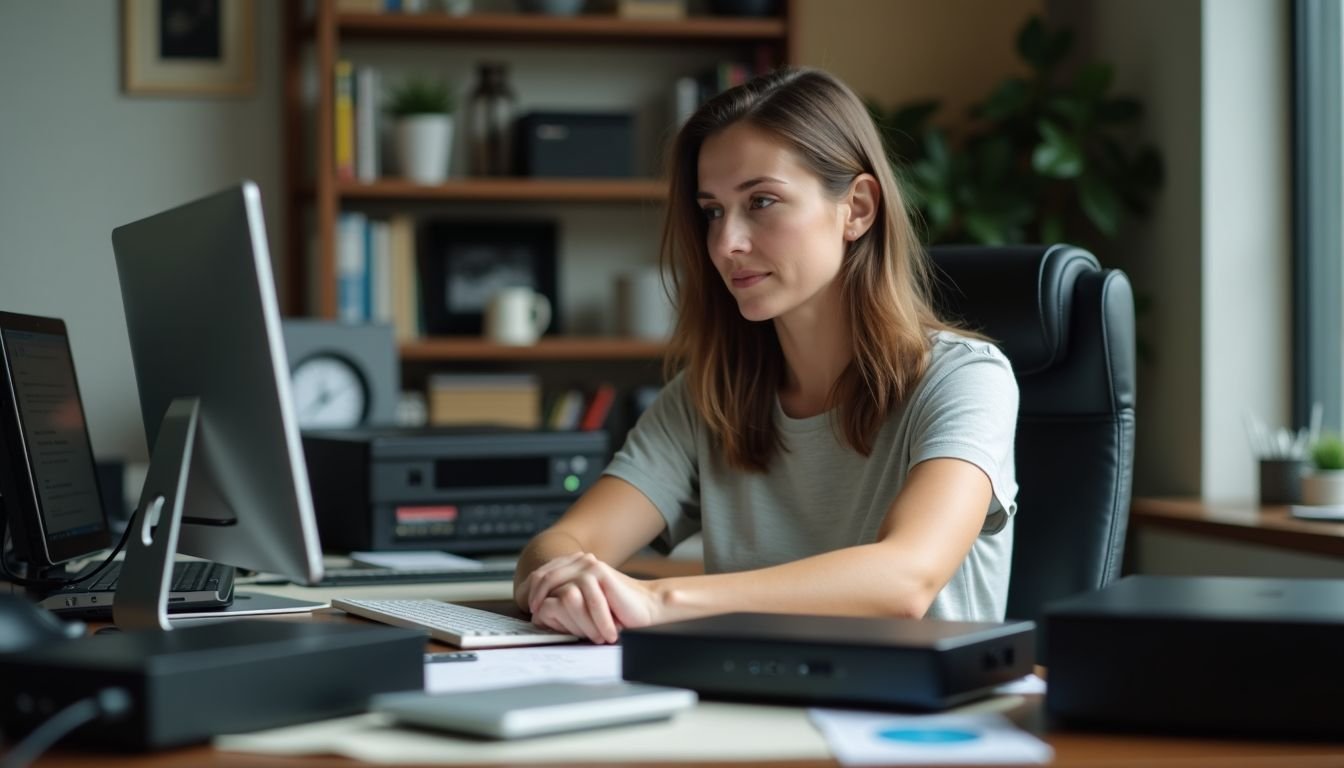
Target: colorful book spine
344,120
599,408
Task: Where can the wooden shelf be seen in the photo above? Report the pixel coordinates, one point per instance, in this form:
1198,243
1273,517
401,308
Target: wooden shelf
549,348
512,190
555,29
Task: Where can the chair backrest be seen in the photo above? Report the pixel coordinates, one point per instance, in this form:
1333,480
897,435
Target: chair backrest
1067,327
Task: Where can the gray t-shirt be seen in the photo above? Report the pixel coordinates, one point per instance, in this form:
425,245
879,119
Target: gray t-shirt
820,495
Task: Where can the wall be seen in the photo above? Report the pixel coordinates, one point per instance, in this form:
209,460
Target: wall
1213,259
78,157
903,50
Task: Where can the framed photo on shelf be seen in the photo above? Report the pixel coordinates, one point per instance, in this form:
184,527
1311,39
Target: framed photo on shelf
463,264
187,47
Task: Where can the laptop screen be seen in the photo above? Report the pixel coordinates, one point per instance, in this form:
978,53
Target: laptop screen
54,441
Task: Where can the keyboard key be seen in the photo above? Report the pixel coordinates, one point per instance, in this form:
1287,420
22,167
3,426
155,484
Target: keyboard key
454,624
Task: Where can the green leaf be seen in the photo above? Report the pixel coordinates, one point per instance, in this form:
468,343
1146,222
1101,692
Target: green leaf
1057,156
935,147
1008,99
1093,80
1101,203
985,229
1076,111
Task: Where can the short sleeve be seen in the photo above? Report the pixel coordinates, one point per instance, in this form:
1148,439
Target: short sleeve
659,458
968,410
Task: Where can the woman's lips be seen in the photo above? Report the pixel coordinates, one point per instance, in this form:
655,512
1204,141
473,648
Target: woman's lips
748,279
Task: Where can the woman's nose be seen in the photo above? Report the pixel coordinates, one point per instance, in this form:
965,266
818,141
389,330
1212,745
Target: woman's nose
729,237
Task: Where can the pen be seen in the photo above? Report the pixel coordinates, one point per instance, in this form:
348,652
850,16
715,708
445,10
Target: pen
434,658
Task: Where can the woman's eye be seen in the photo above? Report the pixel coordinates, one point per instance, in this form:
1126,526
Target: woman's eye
711,213
762,202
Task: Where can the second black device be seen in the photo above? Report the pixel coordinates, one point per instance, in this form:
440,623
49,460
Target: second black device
459,490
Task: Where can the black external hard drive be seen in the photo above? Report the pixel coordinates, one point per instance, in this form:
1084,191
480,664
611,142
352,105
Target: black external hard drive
923,664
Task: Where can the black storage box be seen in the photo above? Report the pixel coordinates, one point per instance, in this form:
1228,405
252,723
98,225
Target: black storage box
921,664
576,145
196,682
1237,656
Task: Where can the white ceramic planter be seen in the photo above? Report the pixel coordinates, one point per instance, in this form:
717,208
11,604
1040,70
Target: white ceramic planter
1321,487
423,147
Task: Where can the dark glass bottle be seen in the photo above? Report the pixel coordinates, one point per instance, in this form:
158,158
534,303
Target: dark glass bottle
490,126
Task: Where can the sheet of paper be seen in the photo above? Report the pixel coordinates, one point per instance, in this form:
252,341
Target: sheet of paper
711,732
502,667
1031,684
875,738
412,560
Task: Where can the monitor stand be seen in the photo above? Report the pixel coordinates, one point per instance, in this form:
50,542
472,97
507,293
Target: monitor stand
146,575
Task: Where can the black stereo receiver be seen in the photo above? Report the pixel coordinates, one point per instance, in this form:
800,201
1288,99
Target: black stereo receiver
459,490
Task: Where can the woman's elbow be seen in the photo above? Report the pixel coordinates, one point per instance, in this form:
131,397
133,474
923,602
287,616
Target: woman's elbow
912,600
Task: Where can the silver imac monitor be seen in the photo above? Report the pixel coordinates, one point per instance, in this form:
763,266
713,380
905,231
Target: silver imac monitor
227,479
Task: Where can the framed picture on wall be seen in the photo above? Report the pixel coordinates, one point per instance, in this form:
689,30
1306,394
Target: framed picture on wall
463,264
187,47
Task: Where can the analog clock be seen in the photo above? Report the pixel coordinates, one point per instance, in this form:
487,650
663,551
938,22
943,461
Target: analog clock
329,393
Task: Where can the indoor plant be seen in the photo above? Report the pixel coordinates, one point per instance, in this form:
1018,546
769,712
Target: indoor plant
1046,158
423,111
1324,482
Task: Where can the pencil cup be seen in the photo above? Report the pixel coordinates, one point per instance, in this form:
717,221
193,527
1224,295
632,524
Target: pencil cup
1281,481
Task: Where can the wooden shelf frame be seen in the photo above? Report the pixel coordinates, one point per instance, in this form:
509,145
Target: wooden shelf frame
511,190
587,28
441,348
313,206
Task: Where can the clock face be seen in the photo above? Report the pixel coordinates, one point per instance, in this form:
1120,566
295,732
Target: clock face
328,393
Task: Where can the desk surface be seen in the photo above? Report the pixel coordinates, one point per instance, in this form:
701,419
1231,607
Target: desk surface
1240,521
1071,748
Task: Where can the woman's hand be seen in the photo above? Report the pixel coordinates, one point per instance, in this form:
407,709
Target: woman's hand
584,596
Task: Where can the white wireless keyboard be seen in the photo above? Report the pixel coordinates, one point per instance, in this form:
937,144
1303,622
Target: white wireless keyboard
454,624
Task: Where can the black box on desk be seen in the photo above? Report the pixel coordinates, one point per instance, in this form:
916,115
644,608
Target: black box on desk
1237,656
576,145
196,682
467,490
906,663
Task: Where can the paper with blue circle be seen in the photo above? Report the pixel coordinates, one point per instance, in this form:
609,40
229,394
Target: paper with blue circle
883,738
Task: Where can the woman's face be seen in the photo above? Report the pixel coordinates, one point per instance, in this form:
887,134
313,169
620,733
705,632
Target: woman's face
775,238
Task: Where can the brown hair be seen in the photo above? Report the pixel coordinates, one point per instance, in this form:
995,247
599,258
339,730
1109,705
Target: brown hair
734,367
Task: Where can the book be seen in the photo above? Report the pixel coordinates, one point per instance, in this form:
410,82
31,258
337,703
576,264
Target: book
344,120
405,277
599,408
651,10
351,267
367,124
512,400
566,410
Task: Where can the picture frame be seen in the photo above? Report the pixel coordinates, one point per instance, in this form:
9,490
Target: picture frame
463,263
188,47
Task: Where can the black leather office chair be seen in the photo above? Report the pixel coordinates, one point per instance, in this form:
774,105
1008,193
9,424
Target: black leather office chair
1067,327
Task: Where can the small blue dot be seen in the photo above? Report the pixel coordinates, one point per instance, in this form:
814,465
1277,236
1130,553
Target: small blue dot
928,735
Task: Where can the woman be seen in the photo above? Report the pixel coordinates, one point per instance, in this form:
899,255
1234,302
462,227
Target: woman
842,449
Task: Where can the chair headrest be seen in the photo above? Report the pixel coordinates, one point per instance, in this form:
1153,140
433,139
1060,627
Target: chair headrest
1019,296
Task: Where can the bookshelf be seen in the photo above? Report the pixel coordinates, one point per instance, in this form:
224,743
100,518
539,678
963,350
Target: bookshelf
316,197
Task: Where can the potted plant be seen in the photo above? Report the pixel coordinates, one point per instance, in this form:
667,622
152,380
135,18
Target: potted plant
1324,484
1046,158
423,111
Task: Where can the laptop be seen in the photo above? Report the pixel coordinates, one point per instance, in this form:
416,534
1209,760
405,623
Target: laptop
53,505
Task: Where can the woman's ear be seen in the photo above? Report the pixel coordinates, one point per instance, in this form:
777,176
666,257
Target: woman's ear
864,199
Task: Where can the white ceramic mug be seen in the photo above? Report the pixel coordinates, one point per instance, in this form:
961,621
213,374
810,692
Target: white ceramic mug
517,316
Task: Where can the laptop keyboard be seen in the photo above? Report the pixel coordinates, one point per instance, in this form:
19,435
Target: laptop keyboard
188,576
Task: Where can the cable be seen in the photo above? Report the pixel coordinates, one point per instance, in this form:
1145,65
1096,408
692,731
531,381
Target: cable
109,704
52,583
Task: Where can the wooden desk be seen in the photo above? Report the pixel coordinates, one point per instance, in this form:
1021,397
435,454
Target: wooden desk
1245,522
1072,748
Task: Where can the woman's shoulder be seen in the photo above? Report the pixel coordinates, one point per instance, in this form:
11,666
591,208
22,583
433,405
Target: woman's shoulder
951,346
